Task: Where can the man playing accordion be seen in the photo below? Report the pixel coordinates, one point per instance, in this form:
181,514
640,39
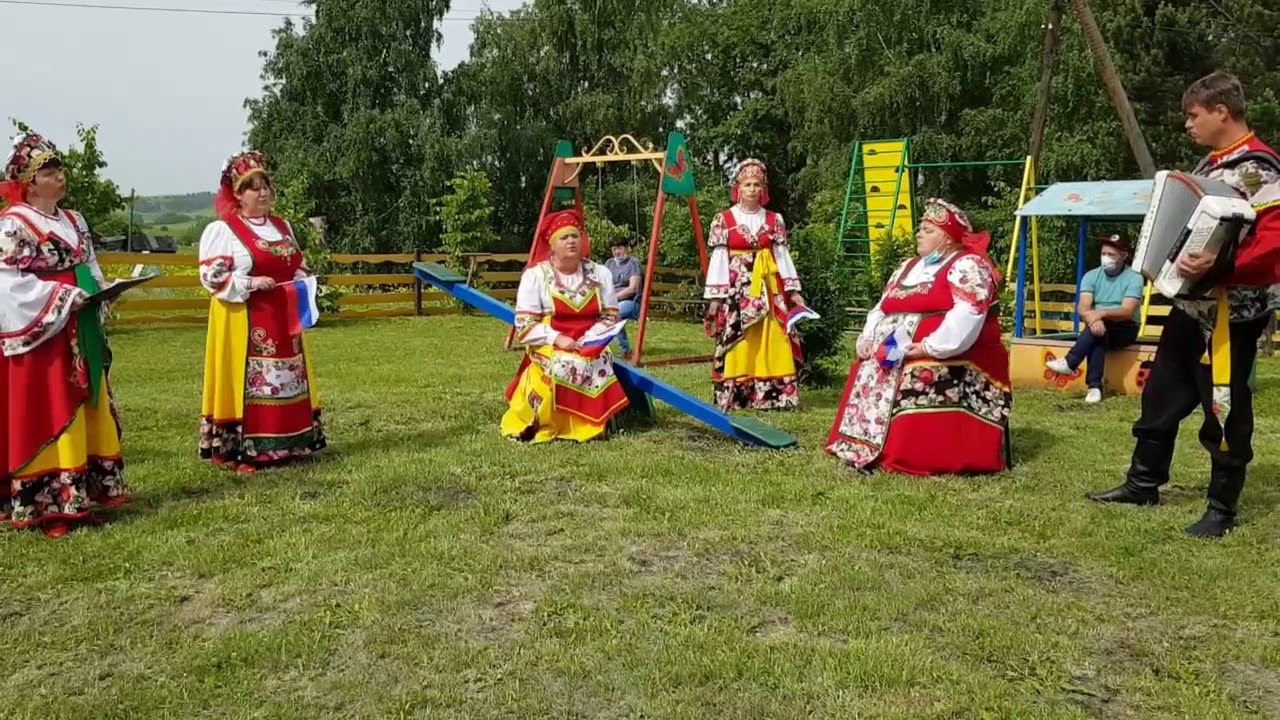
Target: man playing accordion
1208,345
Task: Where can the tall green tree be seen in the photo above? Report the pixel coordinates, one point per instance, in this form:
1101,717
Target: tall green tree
346,111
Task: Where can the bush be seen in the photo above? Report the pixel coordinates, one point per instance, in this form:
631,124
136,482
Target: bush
829,282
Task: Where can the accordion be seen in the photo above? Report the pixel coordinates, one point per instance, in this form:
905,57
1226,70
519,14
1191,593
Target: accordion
1189,213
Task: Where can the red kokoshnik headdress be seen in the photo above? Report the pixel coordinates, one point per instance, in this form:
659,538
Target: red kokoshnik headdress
235,173
951,220
31,152
751,169
552,227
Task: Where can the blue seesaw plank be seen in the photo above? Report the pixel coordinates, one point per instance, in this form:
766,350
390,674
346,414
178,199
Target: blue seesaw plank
745,429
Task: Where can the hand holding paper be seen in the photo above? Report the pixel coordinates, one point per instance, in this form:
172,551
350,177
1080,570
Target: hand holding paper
117,288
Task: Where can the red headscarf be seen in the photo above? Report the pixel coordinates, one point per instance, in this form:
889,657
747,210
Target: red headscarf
30,153
751,169
235,172
552,226
951,220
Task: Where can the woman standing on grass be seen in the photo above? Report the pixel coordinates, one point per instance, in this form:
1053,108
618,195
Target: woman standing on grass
259,404
59,434
944,407
750,280
563,390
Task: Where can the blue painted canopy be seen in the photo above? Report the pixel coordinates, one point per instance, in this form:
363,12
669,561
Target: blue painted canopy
1101,199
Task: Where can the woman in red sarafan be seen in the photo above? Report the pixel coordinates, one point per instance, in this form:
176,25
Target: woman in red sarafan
943,409
752,284
59,433
259,404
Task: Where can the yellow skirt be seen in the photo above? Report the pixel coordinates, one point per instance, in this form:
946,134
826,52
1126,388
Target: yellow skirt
541,417
91,434
225,353
764,353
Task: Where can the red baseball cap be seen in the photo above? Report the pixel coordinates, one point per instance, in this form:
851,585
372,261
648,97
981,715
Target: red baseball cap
1116,242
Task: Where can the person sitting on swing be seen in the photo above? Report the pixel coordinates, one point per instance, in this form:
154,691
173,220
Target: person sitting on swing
628,280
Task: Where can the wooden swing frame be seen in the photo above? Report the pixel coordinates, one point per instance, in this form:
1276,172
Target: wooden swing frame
566,169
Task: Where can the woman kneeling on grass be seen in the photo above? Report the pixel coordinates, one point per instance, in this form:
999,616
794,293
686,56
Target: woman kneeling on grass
59,437
944,408
259,404
563,390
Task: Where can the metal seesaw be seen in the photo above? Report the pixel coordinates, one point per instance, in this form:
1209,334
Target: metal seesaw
636,382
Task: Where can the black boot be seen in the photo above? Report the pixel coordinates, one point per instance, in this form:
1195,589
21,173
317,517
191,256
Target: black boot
1148,470
1213,524
1127,495
1225,486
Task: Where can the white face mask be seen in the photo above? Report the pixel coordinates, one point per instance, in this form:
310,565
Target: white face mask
1110,263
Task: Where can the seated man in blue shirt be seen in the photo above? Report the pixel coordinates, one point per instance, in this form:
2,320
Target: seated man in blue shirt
627,280
1109,305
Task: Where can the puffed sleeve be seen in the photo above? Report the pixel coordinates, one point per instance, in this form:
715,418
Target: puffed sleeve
531,310
782,256
32,310
224,266
717,283
973,289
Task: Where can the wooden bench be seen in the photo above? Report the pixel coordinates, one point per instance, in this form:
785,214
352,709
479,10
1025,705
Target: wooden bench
1126,371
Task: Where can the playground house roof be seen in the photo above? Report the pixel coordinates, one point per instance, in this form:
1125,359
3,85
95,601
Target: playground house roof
1100,199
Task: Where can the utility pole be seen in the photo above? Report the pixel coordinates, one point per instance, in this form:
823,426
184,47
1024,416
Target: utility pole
1048,63
1111,80
128,238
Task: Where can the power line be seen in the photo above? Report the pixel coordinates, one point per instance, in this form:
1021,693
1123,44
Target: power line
194,11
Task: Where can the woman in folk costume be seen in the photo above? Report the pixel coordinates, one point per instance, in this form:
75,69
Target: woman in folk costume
564,389
259,404
944,408
750,279
59,434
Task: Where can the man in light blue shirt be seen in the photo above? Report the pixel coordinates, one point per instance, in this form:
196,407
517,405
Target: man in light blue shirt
628,279
1109,301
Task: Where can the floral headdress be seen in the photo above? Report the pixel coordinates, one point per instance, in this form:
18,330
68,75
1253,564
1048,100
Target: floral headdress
236,171
31,152
751,169
955,223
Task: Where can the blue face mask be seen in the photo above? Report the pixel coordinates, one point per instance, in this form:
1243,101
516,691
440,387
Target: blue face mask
933,258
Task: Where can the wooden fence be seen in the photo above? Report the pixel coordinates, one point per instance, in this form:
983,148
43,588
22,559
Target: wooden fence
372,286
1058,302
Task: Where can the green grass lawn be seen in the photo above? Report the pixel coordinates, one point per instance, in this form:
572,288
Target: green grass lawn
426,567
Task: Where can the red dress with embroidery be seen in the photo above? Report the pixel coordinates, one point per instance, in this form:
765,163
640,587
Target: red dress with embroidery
279,419
582,385
929,416
752,257
43,388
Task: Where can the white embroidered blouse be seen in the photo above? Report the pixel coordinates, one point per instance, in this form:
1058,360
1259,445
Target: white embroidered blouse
974,291
225,263
717,282
534,299
33,309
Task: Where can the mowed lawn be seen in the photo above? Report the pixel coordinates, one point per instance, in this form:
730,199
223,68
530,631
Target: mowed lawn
426,567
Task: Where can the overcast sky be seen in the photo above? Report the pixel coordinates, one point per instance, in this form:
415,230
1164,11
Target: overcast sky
166,89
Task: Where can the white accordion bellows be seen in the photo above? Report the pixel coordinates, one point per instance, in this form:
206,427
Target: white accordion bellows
1188,213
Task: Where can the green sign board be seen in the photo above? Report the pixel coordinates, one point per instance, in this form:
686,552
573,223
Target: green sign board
677,168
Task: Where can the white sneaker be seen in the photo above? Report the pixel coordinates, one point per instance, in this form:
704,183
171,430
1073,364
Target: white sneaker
1093,396
1059,365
